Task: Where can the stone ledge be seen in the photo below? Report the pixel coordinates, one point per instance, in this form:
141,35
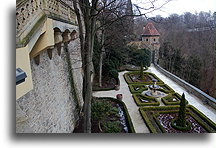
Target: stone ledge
192,89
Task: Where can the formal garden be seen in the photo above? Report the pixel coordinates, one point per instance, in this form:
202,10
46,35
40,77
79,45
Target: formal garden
162,109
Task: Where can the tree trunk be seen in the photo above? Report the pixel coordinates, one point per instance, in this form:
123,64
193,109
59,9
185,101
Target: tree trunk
90,22
101,58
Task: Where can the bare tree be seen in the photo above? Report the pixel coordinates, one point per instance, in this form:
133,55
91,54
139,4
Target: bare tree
88,11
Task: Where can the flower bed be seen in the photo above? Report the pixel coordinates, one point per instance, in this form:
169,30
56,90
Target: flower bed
142,100
125,111
158,120
165,88
172,99
131,68
133,78
137,88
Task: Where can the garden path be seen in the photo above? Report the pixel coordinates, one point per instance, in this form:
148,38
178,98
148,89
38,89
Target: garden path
139,125
193,100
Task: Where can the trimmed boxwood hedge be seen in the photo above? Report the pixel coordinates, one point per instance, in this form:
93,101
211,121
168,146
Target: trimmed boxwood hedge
127,117
167,99
165,88
152,101
132,69
130,81
141,87
172,109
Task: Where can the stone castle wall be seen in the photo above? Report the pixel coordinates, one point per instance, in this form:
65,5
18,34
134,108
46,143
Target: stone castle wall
51,107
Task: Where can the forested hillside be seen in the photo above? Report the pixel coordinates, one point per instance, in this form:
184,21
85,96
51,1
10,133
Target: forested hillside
187,47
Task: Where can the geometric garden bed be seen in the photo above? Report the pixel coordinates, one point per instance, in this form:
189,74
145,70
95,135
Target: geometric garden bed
158,119
172,99
143,100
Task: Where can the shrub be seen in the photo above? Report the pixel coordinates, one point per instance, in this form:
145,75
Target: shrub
127,116
100,109
112,127
113,73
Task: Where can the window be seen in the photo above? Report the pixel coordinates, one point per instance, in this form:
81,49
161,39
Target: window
154,40
146,40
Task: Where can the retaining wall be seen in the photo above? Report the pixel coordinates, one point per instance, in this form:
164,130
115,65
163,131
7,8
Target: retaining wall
192,89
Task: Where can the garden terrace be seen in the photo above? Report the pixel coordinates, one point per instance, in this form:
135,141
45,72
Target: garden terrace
158,119
140,125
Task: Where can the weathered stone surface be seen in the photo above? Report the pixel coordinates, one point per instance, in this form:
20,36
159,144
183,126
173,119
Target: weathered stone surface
50,106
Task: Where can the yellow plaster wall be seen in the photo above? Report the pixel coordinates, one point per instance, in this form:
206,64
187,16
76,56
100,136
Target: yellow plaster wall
23,62
46,39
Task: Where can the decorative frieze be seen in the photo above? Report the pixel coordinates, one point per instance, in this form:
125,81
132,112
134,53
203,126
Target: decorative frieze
29,9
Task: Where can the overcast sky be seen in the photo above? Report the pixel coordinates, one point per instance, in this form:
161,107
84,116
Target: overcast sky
180,6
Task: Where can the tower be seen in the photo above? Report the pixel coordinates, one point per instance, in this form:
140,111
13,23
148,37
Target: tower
150,38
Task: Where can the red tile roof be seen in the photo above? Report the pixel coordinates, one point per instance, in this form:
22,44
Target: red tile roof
150,30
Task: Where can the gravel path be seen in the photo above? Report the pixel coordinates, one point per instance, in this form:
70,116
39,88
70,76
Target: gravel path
193,100
139,125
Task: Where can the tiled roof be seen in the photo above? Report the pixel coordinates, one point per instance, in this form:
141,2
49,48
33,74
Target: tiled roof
150,30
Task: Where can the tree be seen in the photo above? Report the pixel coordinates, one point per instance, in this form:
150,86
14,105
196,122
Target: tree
181,120
87,12
141,72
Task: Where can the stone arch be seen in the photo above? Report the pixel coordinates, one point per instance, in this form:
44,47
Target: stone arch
66,36
73,35
58,39
57,35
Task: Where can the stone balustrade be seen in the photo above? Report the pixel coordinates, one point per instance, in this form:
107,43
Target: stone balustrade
29,12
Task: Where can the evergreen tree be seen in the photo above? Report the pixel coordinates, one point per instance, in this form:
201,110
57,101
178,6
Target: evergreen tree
141,72
181,120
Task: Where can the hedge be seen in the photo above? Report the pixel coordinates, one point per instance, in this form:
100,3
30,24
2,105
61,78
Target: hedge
152,101
132,69
141,87
167,88
166,101
130,81
203,117
127,117
147,121
191,110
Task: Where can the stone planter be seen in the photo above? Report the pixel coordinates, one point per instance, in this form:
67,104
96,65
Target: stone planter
119,96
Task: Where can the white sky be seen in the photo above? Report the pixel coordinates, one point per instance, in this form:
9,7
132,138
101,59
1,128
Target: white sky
180,6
